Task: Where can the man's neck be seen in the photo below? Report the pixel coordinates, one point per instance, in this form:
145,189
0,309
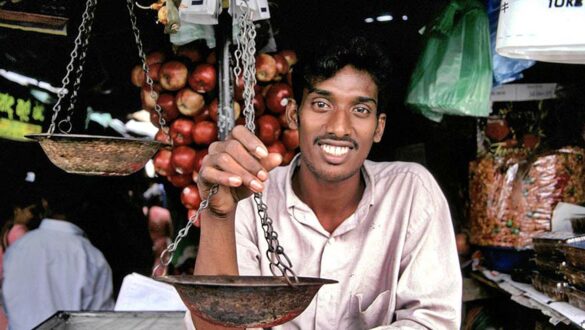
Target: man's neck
332,202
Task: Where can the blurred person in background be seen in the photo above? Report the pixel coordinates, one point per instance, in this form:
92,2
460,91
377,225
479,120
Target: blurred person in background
27,210
160,226
23,214
55,267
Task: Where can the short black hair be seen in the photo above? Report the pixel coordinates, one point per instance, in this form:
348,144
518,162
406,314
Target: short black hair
27,194
68,195
334,52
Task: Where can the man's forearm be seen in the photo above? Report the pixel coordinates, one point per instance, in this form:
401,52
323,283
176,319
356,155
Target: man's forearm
217,246
217,253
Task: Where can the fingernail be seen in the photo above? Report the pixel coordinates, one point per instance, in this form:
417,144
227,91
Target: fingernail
261,151
255,185
262,175
235,181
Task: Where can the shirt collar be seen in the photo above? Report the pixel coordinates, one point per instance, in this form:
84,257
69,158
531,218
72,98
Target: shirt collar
62,226
298,208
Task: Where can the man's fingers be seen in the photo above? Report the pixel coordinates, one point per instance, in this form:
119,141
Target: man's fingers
242,160
250,141
212,176
249,178
245,159
272,161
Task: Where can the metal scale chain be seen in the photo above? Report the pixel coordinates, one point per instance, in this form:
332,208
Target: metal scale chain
81,42
161,121
280,264
77,62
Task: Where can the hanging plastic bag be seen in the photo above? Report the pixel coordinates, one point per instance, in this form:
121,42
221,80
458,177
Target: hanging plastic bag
189,32
454,73
505,69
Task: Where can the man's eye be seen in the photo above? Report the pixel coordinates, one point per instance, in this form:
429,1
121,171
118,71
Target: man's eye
320,104
362,110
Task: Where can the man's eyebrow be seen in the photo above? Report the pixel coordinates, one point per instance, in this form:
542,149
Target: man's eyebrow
365,99
359,99
318,91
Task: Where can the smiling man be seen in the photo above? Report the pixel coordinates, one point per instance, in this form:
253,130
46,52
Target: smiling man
383,230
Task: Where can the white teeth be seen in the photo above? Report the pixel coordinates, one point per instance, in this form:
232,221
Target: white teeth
334,150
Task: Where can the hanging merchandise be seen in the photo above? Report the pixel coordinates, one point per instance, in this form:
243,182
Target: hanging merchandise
199,12
167,14
453,76
545,30
505,69
513,195
189,32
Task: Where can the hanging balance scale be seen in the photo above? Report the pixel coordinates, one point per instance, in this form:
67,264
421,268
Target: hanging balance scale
231,301
90,154
243,301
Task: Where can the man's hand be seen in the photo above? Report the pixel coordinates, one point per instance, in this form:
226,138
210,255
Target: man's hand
239,165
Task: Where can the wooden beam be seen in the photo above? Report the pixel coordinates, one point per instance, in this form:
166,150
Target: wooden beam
33,22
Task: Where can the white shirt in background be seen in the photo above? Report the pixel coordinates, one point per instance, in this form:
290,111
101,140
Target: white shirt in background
54,268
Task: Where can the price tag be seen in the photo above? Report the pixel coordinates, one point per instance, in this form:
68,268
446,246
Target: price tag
259,9
523,92
203,12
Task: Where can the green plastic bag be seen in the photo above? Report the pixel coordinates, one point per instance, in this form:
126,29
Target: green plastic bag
454,73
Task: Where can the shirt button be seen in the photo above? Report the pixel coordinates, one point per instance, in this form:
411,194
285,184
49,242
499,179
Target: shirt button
331,240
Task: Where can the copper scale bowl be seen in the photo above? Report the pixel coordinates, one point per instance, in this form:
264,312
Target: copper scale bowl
245,301
96,155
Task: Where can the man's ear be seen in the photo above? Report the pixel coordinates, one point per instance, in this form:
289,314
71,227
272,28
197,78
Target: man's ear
292,114
380,127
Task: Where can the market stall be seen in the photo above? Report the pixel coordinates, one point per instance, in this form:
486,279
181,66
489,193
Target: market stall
497,119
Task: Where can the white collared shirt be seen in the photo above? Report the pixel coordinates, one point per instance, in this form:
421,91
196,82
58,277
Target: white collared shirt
54,268
395,257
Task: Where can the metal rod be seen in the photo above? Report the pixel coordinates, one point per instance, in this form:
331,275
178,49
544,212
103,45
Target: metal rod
226,93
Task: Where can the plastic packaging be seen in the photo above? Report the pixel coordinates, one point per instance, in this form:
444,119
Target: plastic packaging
551,267
576,297
454,73
542,30
512,197
578,225
555,290
551,243
505,260
575,277
505,69
575,252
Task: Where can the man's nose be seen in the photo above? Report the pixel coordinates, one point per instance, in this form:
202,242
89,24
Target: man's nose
339,123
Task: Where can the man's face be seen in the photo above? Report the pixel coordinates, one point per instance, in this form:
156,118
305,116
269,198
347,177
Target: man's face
338,123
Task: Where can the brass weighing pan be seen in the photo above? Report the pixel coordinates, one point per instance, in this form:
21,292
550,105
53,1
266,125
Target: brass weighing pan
96,155
245,301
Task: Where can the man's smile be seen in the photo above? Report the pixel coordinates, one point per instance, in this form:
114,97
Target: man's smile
334,150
